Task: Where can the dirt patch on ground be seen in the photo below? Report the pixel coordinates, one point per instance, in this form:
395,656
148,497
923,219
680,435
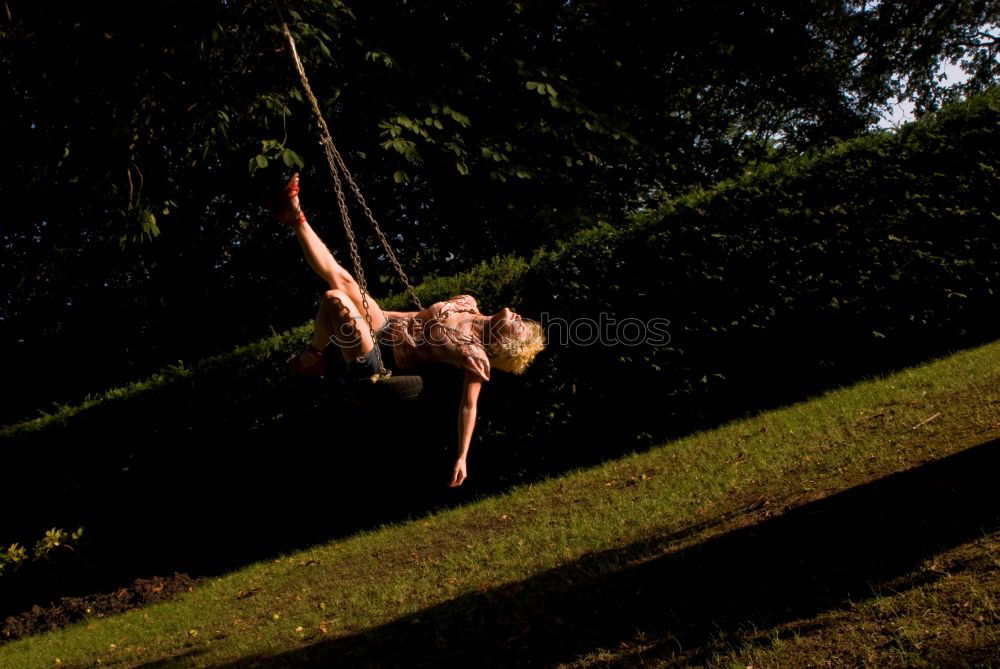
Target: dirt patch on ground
69,610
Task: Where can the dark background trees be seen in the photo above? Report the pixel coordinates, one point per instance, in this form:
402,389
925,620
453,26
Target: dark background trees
142,137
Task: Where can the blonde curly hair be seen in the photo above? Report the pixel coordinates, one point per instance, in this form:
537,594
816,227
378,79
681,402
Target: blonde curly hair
514,355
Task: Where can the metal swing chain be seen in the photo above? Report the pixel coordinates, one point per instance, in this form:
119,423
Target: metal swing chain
337,166
331,156
383,373
328,143
378,230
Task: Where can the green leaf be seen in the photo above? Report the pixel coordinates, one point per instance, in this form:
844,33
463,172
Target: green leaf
290,158
400,176
462,119
462,168
261,160
149,224
538,86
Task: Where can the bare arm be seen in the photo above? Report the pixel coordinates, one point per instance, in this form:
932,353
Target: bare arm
472,384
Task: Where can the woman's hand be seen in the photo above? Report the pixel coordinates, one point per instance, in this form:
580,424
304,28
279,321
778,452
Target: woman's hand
466,424
459,474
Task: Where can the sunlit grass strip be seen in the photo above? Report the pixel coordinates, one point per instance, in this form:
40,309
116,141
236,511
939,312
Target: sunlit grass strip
829,443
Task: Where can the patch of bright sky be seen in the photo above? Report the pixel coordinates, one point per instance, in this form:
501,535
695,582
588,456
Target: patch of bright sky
902,112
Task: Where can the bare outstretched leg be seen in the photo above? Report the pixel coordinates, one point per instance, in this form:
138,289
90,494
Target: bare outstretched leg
322,261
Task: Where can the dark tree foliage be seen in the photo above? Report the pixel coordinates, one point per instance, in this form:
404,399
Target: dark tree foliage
142,137
909,40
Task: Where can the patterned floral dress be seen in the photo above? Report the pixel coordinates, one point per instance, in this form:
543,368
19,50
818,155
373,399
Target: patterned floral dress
445,332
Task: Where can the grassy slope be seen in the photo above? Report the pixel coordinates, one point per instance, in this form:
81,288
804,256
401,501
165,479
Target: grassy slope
779,540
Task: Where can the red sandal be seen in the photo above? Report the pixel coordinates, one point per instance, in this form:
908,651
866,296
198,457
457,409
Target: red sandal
288,210
316,368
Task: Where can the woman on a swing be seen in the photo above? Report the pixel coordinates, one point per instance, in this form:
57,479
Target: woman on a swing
452,332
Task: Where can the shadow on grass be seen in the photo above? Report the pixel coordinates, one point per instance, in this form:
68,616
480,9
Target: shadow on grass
818,556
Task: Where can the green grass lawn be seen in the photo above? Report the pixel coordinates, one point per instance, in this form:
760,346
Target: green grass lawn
860,528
